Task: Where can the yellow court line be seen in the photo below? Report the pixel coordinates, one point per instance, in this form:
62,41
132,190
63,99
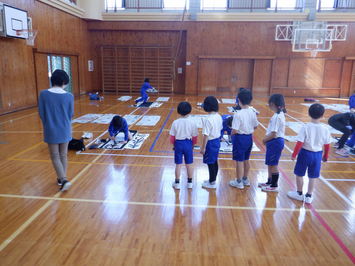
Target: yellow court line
157,165
179,205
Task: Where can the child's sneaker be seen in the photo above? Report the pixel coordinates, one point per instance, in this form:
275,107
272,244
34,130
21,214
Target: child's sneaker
261,185
176,185
189,184
207,184
65,185
246,182
237,184
270,189
343,152
308,200
59,181
295,195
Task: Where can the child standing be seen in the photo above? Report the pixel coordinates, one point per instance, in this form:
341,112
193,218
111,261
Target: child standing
274,142
310,141
211,132
183,135
119,124
144,88
243,125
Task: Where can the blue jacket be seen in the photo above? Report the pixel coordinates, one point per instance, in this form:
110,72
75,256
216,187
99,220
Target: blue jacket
114,131
56,111
145,87
352,101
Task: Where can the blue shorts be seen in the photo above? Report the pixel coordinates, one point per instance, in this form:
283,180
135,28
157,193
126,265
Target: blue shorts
311,160
242,145
274,149
212,150
183,148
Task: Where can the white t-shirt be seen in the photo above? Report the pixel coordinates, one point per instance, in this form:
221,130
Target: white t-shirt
212,126
244,121
314,136
277,124
183,128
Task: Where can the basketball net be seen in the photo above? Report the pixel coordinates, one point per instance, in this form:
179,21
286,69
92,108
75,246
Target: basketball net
30,36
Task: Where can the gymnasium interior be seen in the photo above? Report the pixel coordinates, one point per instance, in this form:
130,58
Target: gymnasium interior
121,208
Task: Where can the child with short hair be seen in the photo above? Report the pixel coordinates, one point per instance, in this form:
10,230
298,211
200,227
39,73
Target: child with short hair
144,96
183,135
274,142
119,124
243,126
211,144
311,139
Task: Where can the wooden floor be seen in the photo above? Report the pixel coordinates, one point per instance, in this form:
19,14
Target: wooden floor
122,210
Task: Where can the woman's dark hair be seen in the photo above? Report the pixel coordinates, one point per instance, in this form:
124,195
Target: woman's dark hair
117,122
184,108
316,111
245,96
210,104
146,80
59,78
279,101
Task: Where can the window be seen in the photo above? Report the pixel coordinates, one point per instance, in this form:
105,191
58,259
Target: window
60,62
114,5
176,4
286,4
214,4
333,4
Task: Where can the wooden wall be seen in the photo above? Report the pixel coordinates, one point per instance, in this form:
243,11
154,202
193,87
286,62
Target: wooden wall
274,67
133,38
58,33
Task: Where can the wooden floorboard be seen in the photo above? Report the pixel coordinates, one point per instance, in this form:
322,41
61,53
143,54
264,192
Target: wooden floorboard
122,210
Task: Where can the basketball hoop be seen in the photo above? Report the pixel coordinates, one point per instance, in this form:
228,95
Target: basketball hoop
29,35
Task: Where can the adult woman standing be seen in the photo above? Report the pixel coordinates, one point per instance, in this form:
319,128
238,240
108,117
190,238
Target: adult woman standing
56,109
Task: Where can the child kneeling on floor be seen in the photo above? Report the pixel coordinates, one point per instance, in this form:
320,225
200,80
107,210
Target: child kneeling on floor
310,141
183,135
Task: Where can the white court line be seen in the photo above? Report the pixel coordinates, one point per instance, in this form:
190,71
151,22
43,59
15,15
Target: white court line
340,194
178,205
342,180
199,158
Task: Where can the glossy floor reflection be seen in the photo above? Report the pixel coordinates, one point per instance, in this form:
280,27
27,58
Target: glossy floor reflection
122,210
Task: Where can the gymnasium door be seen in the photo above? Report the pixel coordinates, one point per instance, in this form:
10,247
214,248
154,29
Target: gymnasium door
45,64
224,76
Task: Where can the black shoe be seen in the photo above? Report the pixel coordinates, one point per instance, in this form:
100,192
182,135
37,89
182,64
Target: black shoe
352,151
59,181
65,185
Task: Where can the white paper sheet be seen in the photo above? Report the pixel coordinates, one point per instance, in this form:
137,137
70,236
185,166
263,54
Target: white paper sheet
131,119
149,120
124,98
296,127
163,99
228,148
104,119
86,118
136,142
228,101
155,105
341,108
